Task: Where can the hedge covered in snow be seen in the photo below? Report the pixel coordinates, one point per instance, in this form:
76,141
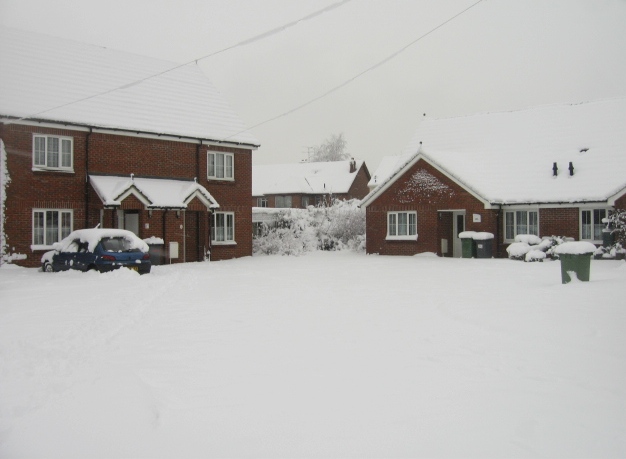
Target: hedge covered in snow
340,226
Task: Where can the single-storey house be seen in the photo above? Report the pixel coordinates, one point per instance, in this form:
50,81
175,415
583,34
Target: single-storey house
93,136
304,184
550,170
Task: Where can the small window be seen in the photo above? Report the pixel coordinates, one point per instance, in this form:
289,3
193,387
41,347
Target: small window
50,226
283,202
261,202
305,202
223,230
520,222
51,152
402,225
220,166
591,225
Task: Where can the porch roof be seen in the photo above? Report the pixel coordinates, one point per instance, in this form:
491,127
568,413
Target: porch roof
155,193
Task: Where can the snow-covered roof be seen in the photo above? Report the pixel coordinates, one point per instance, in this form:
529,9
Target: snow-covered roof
508,157
312,178
388,165
154,193
40,73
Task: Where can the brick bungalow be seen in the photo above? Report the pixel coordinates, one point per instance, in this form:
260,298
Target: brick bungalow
550,170
90,136
299,185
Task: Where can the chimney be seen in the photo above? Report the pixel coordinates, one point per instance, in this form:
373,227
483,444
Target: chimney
352,165
571,169
555,170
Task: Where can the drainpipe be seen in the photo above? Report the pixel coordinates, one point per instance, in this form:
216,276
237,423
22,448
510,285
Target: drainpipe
198,159
164,226
87,177
498,230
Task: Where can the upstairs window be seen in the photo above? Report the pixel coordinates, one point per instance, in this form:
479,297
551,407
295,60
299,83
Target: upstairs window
520,222
53,152
261,202
402,225
221,166
591,225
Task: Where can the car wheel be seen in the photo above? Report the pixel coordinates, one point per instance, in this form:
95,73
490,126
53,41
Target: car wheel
47,268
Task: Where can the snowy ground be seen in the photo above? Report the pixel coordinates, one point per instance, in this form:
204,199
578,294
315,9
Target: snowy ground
324,355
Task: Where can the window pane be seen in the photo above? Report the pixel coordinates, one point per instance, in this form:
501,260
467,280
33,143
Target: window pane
211,165
509,224
533,226
230,227
38,228
288,201
40,151
412,224
229,166
66,224
598,215
52,227
66,153
586,224
392,225
219,165
522,222
53,152
402,224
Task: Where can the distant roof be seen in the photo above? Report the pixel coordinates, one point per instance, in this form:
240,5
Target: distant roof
154,193
40,72
508,157
318,178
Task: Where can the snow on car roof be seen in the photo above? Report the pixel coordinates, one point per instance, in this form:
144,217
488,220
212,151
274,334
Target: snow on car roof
93,235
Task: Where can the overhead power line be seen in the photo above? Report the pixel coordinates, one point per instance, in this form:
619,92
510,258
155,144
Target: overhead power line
245,42
369,69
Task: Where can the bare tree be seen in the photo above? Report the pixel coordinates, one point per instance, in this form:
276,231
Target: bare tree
333,149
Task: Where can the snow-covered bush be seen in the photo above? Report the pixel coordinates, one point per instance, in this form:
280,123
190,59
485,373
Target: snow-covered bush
336,227
528,247
617,222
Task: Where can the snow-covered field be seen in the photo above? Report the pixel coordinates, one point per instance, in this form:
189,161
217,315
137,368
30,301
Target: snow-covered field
323,355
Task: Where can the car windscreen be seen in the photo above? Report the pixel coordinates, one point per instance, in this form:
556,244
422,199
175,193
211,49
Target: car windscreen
116,244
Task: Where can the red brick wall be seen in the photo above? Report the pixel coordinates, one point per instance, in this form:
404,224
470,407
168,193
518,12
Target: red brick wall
118,155
408,195
559,222
359,188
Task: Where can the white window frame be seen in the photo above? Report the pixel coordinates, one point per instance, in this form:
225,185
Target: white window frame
46,158
594,223
42,238
402,226
223,233
515,222
223,169
261,202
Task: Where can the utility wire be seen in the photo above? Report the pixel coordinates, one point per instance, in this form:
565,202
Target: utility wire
245,42
350,80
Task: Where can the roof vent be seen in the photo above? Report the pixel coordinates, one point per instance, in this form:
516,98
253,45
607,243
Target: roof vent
555,170
571,169
584,150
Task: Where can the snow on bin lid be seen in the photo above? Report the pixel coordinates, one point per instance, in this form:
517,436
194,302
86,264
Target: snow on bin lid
482,236
467,234
575,248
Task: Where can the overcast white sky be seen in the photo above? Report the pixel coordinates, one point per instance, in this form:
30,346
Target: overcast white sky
499,55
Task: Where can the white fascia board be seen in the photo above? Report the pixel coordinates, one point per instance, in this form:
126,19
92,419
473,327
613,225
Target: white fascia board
45,124
136,192
208,203
611,200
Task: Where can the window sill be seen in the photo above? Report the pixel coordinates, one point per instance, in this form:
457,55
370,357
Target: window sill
41,247
223,243
52,169
217,179
401,238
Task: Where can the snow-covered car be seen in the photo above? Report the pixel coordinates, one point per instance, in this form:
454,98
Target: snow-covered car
100,249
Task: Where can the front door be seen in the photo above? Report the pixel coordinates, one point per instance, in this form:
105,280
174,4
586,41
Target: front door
458,223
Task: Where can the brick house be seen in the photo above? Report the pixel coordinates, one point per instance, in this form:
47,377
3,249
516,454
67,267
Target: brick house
92,136
300,185
550,170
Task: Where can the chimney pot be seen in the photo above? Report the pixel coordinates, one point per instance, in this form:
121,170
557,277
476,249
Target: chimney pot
555,170
571,169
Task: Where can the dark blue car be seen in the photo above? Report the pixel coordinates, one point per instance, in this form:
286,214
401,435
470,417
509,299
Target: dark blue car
100,249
